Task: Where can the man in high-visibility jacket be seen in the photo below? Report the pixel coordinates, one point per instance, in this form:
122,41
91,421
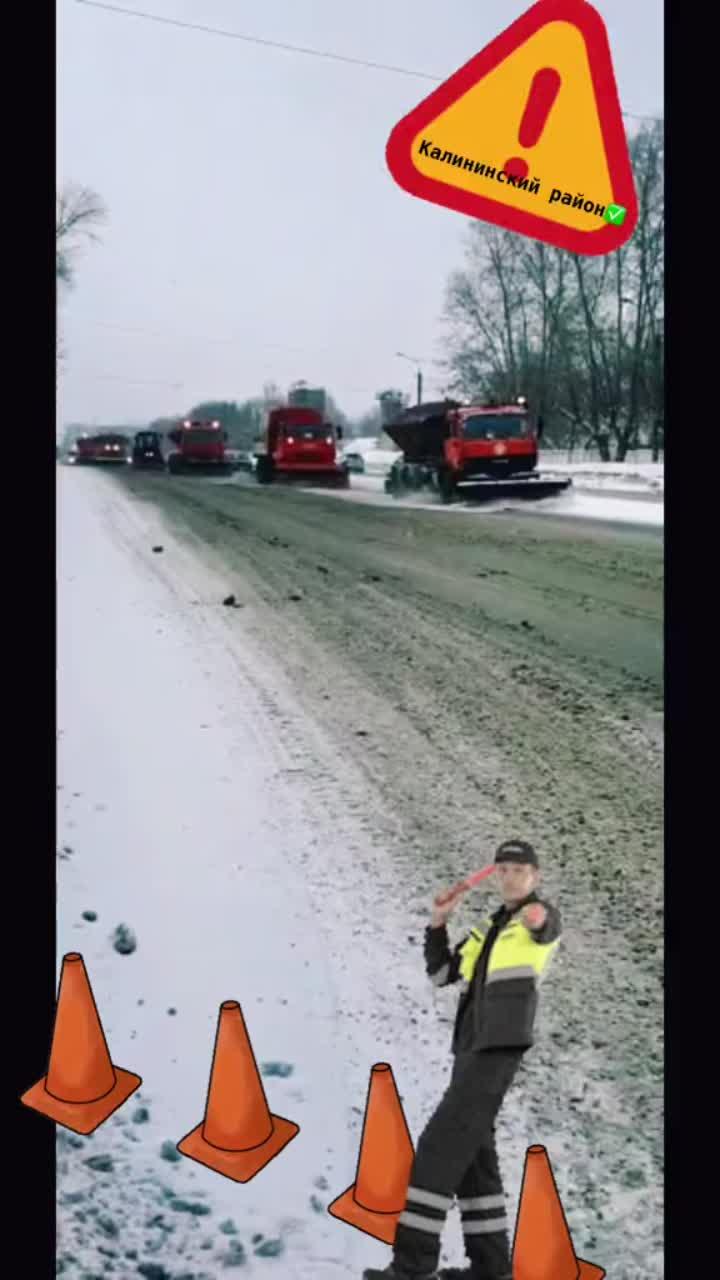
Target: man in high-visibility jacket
501,963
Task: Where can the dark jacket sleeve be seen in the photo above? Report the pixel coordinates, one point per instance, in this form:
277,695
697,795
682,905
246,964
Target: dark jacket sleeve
442,964
552,928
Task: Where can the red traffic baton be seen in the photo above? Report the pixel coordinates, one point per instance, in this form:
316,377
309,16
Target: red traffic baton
469,883
477,876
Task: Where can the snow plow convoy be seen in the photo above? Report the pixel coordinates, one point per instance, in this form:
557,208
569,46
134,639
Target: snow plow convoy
478,451
491,450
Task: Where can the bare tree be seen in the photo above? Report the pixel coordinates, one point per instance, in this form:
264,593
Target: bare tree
581,337
78,212
621,302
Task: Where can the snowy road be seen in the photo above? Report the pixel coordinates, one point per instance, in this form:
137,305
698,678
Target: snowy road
262,794
202,813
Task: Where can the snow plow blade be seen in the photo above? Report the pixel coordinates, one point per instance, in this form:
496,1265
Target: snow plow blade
530,488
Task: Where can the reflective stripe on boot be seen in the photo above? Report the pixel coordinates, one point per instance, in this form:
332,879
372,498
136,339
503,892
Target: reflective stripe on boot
416,1251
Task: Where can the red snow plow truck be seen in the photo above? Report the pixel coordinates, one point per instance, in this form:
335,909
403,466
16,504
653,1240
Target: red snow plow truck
298,444
199,447
107,446
469,450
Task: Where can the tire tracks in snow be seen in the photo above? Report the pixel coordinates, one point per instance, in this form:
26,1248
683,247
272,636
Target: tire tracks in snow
458,720
367,1019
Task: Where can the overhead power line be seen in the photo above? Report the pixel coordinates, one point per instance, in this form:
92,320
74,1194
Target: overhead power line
287,48
117,377
206,340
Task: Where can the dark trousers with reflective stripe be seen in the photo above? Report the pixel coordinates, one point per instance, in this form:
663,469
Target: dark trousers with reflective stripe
456,1156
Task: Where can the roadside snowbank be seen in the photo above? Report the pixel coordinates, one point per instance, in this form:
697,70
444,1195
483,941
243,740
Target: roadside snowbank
638,508
616,510
630,476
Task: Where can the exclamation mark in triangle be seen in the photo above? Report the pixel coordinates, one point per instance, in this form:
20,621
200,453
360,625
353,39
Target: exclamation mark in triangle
543,92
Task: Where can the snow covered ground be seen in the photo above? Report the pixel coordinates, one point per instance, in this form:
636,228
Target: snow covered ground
197,808
639,508
203,808
625,477
620,492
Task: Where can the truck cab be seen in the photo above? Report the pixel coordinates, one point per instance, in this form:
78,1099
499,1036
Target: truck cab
200,445
491,439
106,446
299,444
147,450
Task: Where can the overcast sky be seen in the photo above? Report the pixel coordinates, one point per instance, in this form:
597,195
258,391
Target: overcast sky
255,233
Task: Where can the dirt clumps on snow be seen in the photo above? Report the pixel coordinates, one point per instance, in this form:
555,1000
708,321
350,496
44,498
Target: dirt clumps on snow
124,940
282,1069
512,672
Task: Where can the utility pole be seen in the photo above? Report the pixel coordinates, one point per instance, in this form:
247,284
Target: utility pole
419,377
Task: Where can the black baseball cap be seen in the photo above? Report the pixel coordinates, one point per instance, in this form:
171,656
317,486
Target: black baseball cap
517,851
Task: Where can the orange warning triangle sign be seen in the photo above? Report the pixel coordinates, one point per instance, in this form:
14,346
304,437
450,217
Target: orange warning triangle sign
528,135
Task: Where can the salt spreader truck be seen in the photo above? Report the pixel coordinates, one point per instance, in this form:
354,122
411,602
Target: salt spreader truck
299,445
199,447
489,449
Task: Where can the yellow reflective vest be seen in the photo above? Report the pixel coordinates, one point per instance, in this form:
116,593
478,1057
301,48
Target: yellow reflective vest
505,1002
515,953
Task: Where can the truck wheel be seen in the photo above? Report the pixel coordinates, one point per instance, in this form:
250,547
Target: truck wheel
446,486
264,471
174,466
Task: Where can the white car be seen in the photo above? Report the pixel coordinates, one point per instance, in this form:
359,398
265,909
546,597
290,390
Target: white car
354,462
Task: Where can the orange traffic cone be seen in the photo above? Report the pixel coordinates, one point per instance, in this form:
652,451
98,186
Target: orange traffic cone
82,1087
376,1199
543,1247
238,1136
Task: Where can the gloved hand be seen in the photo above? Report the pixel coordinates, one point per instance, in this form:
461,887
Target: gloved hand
534,915
445,903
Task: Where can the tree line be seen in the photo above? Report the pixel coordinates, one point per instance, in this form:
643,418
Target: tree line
581,337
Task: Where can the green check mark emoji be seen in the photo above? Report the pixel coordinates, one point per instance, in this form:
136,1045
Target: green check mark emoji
616,214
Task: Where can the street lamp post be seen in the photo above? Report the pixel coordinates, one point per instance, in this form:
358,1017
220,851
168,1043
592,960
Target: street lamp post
414,360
